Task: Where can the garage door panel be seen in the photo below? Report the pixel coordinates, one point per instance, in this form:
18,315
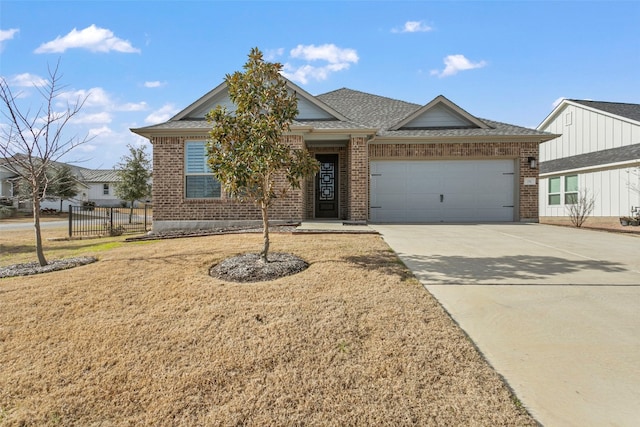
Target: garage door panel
442,191
422,201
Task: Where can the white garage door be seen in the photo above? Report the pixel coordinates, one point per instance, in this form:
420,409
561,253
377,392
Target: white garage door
442,191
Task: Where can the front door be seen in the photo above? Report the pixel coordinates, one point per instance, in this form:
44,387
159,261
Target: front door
327,186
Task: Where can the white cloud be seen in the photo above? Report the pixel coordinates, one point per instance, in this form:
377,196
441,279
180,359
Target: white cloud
456,63
7,35
272,54
338,59
95,97
162,115
133,106
558,101
413,27
327,52
100,132
92,38
154,84
27,80
102,117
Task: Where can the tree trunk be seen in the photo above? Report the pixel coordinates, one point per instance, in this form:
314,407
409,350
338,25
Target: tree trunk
36,224
265,231
131,212
61,200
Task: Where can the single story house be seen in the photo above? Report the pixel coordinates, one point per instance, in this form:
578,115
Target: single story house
597,151
382,160
95,185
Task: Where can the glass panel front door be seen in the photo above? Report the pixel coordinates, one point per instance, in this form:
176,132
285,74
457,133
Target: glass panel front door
327,186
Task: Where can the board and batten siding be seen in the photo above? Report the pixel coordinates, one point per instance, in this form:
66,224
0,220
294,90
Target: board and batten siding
585,131
614,192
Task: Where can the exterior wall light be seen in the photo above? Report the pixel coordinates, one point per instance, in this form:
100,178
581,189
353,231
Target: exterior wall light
533,163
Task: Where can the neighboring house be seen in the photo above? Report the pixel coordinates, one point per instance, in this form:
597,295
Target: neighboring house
95,185
382,160
597,151
101,186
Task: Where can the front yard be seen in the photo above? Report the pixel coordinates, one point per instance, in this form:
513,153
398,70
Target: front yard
145,336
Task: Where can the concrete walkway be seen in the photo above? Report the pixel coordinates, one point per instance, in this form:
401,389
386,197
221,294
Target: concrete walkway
333,226
556,311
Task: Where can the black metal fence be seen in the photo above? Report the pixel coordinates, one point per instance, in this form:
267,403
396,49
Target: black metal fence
104,221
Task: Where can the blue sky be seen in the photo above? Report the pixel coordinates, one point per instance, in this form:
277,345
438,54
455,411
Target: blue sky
143,61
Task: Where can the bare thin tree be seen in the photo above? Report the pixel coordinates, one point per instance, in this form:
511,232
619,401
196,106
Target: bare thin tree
582,207
32,140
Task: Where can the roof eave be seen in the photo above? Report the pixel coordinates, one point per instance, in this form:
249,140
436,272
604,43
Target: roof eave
476,138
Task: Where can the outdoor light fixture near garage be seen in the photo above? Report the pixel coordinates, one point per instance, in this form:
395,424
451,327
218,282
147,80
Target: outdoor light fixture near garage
532,162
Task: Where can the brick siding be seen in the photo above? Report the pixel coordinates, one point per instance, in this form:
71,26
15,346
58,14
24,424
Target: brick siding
171,205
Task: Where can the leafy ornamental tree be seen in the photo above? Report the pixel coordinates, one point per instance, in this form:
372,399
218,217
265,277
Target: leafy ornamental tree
245,149
59,182
64,184
134,172
31,141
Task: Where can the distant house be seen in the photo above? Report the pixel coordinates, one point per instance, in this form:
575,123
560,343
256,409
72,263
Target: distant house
597,150
101,185
95,185
382,160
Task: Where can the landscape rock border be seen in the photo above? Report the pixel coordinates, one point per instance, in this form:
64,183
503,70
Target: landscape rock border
30,268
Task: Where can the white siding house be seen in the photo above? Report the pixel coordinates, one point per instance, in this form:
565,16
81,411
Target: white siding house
93,185
598,151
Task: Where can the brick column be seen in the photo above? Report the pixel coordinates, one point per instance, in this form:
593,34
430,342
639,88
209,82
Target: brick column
528,193
358,175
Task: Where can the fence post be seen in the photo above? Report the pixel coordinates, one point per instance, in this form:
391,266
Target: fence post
70,221
111,221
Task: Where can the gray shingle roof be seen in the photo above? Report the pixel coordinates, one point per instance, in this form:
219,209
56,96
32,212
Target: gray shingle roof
383,113
602,157
206,126
630,111
368,111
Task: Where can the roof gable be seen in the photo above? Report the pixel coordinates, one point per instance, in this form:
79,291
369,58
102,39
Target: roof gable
440,113
309,107
629,111
617,110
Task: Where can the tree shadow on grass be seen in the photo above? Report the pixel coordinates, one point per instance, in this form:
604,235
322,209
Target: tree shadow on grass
386,262
474,270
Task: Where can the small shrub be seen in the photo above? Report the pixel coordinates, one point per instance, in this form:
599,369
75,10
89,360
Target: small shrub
7,211
88,206
582,207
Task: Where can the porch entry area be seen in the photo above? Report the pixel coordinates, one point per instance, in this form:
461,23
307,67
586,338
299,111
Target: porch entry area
327,189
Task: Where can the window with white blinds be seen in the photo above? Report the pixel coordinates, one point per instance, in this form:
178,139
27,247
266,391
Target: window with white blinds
199,181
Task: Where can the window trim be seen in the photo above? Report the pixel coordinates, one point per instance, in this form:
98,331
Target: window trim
555,193
573,193
186,173
105,189
563,197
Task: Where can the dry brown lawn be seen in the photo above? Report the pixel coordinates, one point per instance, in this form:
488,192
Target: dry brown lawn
145,336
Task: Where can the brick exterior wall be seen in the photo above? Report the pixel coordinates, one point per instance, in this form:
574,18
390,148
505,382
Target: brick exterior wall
170,203
528,194
358,170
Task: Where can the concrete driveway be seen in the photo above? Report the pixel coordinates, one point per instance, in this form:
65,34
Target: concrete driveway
556,311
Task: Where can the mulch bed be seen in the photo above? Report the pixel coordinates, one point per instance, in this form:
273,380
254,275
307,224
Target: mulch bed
250,267
30,268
